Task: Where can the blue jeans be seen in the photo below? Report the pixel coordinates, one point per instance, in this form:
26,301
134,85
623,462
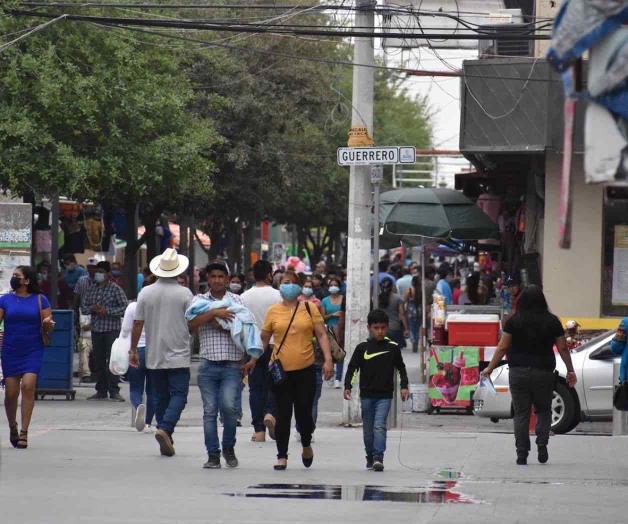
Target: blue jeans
219,383
261,400
170,390
138,383
339,368
374,414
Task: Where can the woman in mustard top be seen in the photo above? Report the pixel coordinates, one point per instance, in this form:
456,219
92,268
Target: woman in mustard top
296,355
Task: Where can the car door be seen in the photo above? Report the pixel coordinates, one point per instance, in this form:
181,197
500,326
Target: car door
597,377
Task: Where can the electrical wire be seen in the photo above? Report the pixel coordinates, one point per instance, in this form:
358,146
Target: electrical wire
268,52
251,28
516,104
6,45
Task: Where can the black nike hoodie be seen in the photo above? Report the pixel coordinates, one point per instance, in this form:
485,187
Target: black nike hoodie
376,362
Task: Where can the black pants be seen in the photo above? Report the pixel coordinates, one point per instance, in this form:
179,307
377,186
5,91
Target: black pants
296,392
106,382
531,387
261,399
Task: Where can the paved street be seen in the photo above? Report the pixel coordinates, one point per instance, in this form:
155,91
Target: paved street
86,464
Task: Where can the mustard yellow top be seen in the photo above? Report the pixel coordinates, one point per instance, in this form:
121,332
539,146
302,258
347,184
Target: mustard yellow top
297,351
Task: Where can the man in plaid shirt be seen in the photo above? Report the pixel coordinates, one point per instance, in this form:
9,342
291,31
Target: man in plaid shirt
220,372
106,303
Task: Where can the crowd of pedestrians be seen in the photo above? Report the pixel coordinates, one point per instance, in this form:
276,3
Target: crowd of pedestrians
269,329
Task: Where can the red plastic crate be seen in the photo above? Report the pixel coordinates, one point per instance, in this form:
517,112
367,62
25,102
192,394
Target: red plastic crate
473,333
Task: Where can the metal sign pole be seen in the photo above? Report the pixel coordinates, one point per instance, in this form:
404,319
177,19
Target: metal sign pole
377,175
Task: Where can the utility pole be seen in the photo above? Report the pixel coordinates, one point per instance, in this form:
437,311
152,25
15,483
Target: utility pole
359,227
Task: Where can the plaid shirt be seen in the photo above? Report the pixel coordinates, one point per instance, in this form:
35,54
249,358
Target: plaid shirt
113,299
216,344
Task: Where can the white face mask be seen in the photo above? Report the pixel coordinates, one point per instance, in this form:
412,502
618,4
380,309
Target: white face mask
334,289
235,287
99,278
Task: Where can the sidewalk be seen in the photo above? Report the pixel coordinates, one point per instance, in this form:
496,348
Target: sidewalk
81,474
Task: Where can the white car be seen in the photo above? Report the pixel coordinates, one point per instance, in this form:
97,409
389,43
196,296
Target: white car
590,399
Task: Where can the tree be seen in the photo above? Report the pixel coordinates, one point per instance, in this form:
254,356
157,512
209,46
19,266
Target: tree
93,115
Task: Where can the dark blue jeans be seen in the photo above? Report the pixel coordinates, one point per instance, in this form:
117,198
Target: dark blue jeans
219,383
139,382
374,414
261,400
170,390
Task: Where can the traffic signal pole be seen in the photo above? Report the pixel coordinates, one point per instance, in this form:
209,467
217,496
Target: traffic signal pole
359,227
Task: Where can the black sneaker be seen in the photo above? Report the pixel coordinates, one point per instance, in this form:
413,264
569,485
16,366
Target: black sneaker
116,397
522,459
543,454
369,462
230,458
378,464
97,396
213,462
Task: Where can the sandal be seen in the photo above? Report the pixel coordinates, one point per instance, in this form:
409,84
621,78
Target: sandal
281,465
22,442
14,436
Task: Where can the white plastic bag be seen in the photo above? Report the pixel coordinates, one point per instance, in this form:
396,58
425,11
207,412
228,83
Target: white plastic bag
487,384
119,360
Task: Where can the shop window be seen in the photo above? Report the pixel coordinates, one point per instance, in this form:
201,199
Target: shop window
615,254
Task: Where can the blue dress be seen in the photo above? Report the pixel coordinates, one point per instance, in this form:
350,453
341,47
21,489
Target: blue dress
330,308
23,347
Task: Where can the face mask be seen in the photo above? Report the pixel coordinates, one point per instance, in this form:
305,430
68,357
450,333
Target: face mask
99,278
290,291
334,289
235,287
71,268
116,273
16,283
308,291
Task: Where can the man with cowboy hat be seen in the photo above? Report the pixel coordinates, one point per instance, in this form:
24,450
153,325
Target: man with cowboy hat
161,312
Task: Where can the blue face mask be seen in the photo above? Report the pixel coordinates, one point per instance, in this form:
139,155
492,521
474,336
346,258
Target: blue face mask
334,289
308,291
290,291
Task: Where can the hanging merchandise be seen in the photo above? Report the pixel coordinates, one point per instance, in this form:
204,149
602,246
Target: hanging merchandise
594,27
94,233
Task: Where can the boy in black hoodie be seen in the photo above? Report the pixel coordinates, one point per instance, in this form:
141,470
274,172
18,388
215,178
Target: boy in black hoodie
376,360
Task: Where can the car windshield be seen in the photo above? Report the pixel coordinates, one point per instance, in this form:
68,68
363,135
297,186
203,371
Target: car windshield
594,341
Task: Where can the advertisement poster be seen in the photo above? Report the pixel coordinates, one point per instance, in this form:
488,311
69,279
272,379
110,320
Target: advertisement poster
15,240
454,373
619,295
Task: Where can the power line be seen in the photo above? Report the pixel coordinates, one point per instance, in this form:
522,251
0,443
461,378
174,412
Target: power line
268,52
251,28
6,45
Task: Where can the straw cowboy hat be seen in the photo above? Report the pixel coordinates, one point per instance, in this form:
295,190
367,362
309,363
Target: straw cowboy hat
169,264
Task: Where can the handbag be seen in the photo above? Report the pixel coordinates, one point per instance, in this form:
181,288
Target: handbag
338,354
275,369
620,396
47,328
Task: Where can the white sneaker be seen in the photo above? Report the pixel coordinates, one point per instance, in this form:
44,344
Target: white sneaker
337,384
149,429
140,417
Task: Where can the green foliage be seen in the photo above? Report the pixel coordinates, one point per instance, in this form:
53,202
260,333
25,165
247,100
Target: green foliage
113,115
89,113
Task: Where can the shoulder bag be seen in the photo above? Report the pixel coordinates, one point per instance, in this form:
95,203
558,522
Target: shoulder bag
275,369
620,397
47,328
338,354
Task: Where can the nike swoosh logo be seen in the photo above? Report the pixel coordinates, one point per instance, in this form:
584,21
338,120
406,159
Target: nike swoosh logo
368,356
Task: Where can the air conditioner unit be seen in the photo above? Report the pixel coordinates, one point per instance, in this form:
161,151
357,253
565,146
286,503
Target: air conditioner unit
506,46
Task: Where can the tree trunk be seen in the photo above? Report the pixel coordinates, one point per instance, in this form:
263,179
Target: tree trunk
215,235
130,252
184,240
152,244
235,246
301,240
249,239
192,255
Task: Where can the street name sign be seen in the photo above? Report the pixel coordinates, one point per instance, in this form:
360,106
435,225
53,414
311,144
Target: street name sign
365,156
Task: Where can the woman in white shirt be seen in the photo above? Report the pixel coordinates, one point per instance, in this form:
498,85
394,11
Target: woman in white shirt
138,377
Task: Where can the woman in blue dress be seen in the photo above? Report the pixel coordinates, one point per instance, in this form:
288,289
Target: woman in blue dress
22,348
